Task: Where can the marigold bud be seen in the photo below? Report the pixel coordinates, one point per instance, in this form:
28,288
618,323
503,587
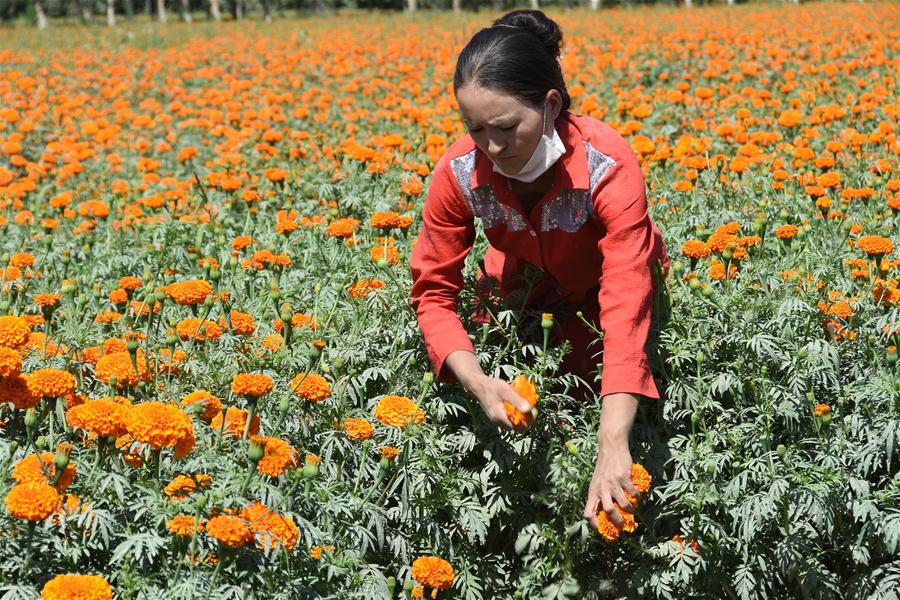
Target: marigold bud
30,418
547,321
572,448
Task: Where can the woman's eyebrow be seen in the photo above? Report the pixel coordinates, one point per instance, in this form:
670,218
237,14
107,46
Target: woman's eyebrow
503,119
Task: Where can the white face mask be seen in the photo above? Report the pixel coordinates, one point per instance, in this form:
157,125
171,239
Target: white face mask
546,153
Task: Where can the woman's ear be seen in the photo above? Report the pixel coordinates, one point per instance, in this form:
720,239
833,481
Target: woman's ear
554,103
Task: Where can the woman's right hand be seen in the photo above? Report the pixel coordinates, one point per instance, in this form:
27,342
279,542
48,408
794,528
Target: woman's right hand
490,391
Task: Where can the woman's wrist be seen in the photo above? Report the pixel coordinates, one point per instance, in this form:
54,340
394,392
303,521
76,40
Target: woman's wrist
616,418
467,370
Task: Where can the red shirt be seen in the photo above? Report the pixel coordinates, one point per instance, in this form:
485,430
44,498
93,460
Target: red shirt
590,228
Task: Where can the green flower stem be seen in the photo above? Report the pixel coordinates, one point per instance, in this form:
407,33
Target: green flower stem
26,565
251,411
362,464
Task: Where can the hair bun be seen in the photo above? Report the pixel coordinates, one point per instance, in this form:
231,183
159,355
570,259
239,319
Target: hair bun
537,23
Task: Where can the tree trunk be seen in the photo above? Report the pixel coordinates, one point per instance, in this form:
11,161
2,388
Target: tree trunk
266,10
161,10
186,11
688,3
237,11
411,5
595,4
535,5
457,6
86,10
129,8
40,14
111,13
214,10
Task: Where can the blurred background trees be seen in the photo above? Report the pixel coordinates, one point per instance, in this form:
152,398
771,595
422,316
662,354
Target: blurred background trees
42,12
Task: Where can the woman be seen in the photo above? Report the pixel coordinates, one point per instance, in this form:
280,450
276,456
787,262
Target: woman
557,193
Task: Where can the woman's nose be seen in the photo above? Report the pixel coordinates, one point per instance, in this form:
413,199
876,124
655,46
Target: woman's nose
495,147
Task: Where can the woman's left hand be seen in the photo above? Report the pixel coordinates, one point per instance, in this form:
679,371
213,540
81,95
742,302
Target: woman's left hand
610,482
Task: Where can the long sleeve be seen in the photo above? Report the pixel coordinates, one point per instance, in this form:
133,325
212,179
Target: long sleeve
631,244
445,240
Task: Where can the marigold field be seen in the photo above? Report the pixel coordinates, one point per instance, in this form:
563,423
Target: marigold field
212,384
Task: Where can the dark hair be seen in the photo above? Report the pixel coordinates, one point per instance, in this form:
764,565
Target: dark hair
518,55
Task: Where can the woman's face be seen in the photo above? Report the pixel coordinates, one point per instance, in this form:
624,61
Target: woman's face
502,126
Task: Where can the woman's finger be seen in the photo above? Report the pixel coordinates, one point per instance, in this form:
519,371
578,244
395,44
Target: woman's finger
618,495
520,403
590,508
610,510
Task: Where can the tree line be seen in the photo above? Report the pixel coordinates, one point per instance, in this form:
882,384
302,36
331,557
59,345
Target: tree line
39,12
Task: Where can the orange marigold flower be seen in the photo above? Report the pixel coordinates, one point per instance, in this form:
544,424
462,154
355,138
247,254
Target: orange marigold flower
821,409
786,232
694,544
241,242
102,417
524,388
47,300
342,228
640,478
118,296
303,320
77,587
386,220
377,253
130,282
695,249
162,426
837,309
107,316
33,501
51,383
875,245
235,419
185,525
10,362
717,270
357,430
271,529
241,323
719,240
119,365
389,452
14,388
433,572
13,331
316,551
131,452
22,259
229,530
193,328
310,386
363,287
251,384
184,485
40,468
398,411
211,405
189,293
278,457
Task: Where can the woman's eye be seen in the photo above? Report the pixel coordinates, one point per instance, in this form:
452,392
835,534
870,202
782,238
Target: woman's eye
509,128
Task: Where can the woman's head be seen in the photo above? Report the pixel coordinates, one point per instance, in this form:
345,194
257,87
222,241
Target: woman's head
508,82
